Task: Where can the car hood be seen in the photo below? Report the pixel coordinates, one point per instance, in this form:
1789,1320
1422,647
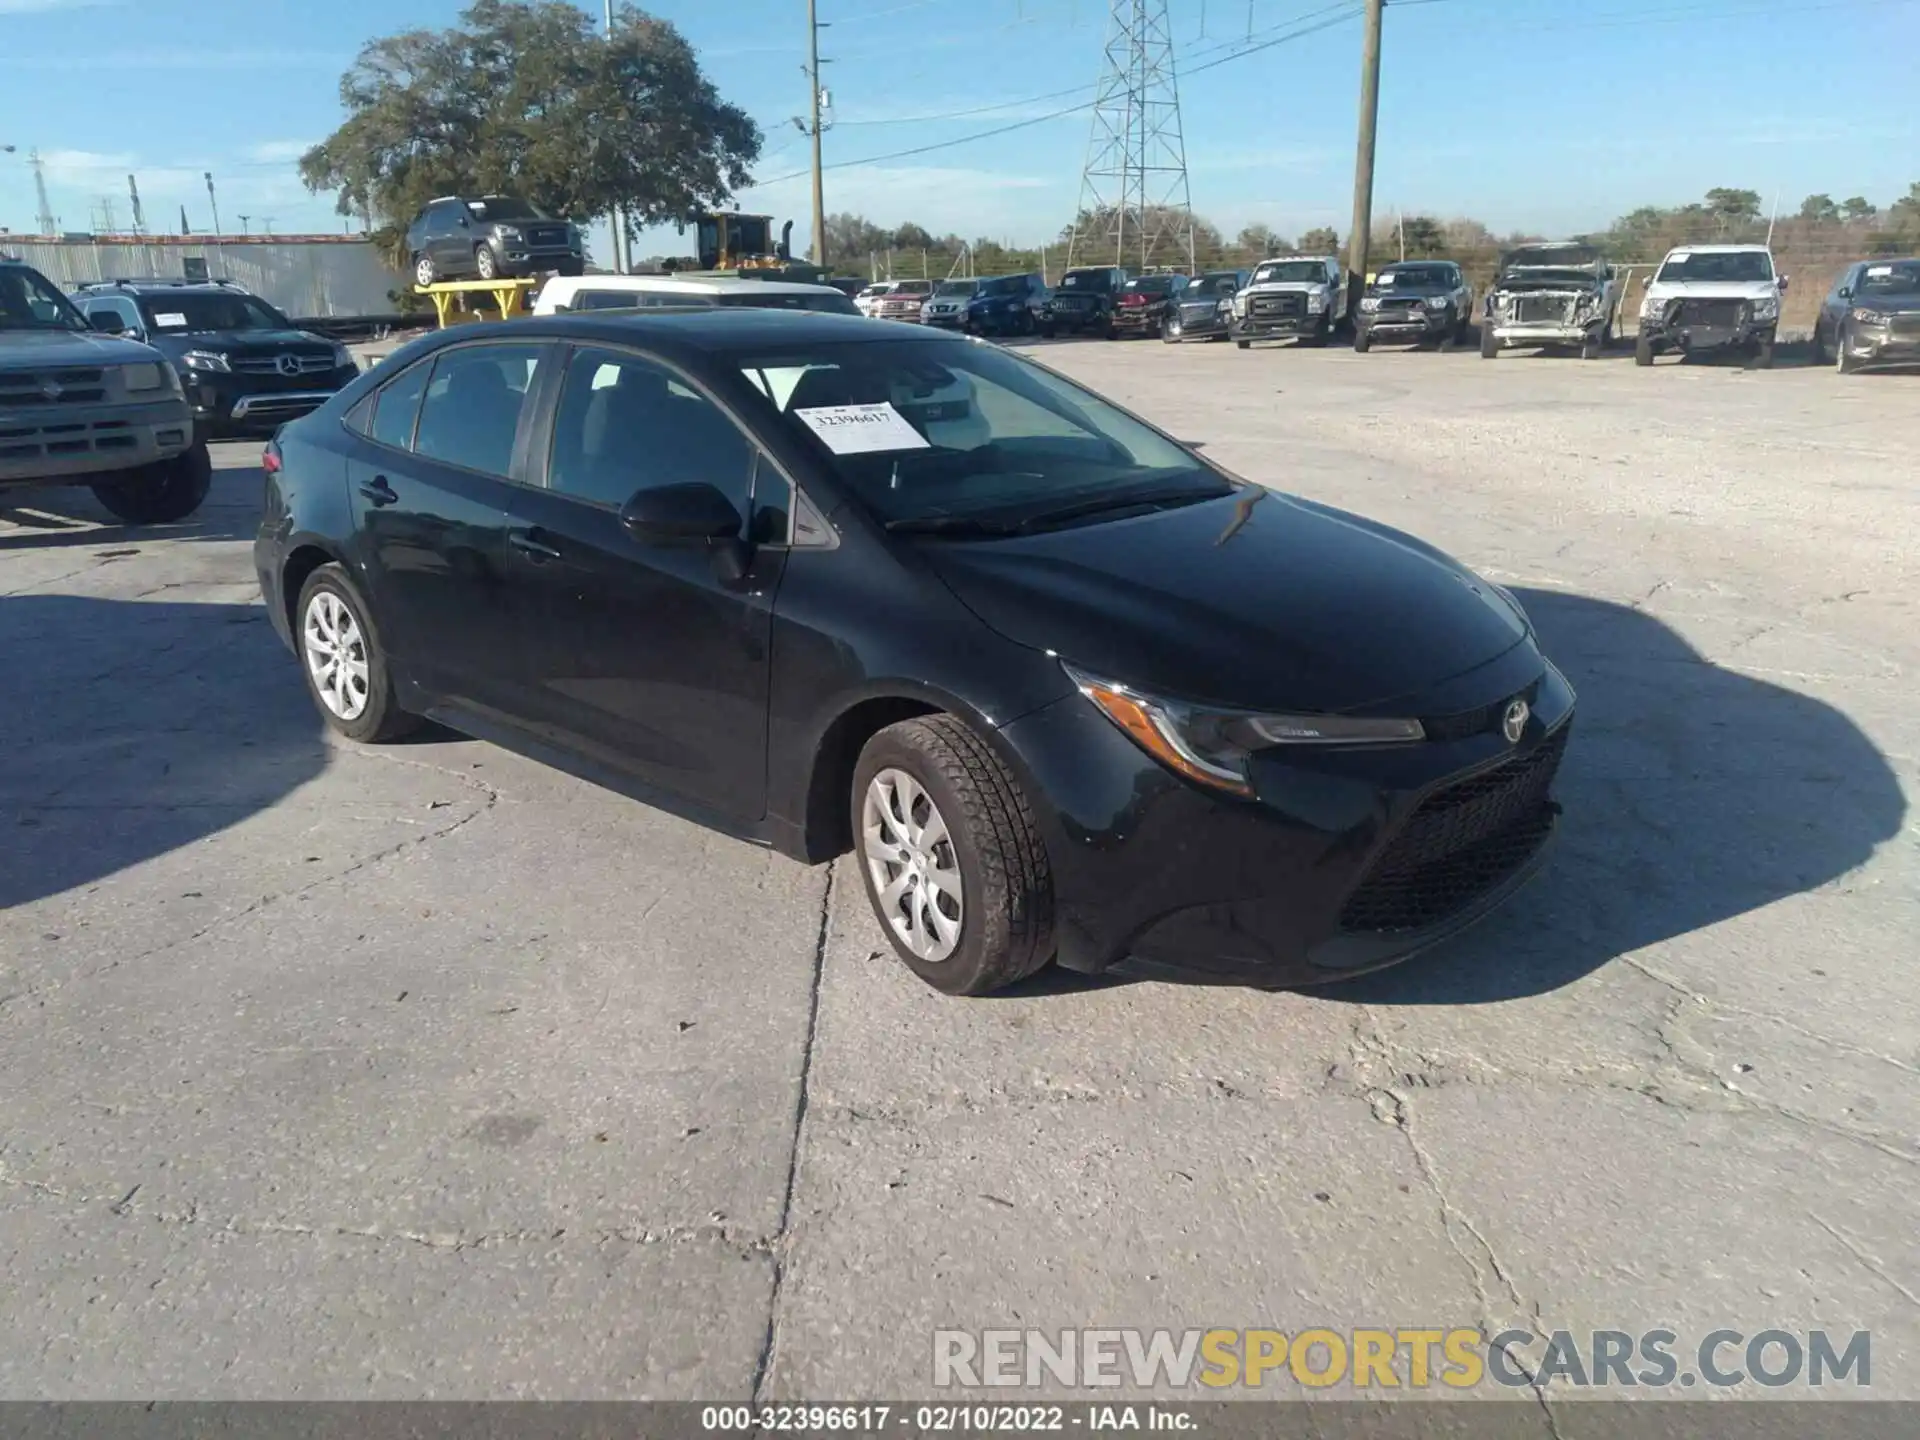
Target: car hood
1285,287
1409,292
242,342
1713,290
70,347
1893,304
1259,601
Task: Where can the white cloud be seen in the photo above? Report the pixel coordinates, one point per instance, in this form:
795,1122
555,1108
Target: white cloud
40,7
273,152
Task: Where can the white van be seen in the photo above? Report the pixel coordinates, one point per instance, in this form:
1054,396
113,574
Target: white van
644,292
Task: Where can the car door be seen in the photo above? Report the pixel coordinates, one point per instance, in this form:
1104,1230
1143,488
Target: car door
451,251
429,492
1834,309
651,659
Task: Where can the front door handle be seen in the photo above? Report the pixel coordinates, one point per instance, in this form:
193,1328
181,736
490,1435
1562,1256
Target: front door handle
379,491
537,551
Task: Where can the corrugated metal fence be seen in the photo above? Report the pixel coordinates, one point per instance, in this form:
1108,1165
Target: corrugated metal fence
333,276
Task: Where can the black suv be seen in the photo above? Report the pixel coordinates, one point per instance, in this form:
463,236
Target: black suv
1083,301
246,368
491,237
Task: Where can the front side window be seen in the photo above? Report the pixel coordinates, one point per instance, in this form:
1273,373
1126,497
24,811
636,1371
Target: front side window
627,424
119,305
471,409
28,301
960,437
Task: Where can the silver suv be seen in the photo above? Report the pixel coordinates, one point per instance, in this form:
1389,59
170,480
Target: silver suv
78,407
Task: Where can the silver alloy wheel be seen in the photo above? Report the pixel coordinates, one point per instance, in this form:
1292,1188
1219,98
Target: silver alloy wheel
423,271
911,859
485,263
336,655
1840,347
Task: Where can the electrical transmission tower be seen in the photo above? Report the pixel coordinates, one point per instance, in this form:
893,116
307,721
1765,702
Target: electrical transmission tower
1135,206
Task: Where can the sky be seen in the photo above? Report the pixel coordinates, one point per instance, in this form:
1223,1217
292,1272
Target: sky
1542,115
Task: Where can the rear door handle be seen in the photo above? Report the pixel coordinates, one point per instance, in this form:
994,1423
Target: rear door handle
535,550
379,491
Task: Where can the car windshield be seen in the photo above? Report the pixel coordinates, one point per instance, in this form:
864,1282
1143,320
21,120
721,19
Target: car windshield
1151,284
915,287
1291,272
1720,265
1552,257
828,303
28,301
1897,277
1004,285
207,310
1415,277
872,290
1223,282
1087,280
500,207
957,287
971,439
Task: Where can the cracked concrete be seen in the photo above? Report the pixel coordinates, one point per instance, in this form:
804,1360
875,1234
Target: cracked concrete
426,1072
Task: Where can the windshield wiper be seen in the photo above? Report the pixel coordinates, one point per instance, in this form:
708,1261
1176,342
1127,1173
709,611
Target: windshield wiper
1134,500
953,525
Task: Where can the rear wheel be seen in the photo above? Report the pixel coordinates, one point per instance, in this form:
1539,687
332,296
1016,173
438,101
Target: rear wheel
161,493
953,862
342,658
424,271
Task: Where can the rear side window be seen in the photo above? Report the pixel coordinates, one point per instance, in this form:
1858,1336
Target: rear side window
397,405
471,409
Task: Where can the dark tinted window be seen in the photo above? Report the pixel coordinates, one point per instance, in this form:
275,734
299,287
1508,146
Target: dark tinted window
191,310
472,406
627,424
1087,280
637,300
397,405
496,208
830,303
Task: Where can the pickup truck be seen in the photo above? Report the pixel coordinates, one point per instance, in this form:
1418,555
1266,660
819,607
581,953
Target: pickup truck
81,407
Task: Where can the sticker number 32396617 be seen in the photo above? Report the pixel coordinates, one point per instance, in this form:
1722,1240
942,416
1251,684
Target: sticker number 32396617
862,429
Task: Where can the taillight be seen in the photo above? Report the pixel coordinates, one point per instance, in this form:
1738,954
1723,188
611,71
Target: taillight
1133,299
270,458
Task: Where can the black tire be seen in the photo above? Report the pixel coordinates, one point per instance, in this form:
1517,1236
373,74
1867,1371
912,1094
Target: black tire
382,719
1111,333
1323,333
1243,344
573,268
1006,924
162,493
425,272
1642,350
1362,341
1818,343
1763,355
1046,332
1489,346
1590,347
485,263
1845,363
1170,334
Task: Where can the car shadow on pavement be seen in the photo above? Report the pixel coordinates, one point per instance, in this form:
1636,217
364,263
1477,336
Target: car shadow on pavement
1693,793
135,728
54,518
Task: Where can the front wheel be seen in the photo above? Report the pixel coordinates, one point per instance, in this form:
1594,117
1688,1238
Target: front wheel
1243,344
342,658
1763,354
1046,332
953,862
1361,340
486,262
1843,362
1642,351
1170,332
161,493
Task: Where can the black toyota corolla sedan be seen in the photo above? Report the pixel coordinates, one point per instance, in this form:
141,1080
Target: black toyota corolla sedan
1068,690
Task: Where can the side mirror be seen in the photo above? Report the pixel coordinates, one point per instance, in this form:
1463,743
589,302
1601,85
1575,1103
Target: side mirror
692,514
1783,284
1845,292
107,322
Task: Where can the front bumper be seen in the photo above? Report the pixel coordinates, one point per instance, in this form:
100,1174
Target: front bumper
1542,332
1406,324
1350,859
56,443
1279,327
910,317
1079,321
230,404
1140,320
519,261
1201,323
1892,344
1682,334
944,319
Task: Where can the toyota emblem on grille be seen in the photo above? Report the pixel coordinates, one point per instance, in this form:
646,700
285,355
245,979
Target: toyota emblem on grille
288,364
1514,722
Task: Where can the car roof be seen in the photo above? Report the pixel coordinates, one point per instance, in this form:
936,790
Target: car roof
720,330
1279,259
1720,250
691,285
164,287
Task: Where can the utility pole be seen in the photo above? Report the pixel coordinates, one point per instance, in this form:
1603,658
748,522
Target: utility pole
813,128
139,215
212,202
243,225
1361,238
48,225
619,217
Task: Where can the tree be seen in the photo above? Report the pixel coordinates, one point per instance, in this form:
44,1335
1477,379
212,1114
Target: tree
1321,240
1820,209
1904,213
1260,241
524,97
1855,209
1729,207
854,237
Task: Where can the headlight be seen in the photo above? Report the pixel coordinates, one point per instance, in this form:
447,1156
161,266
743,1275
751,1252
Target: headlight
1653,305
1369,303
1871,317
1213,747
1316,301
144,377
1239,303
511,232
206,360
1767,307
343,358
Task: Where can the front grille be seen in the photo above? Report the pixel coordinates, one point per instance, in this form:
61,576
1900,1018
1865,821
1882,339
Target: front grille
547,236
1459,844
270,364
53,387
1480,721
1710,314
1905,327
37,442
1075,302
1542,309
1272,305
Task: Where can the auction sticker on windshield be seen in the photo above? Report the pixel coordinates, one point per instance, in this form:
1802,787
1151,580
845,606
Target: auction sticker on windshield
170,322
862,429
